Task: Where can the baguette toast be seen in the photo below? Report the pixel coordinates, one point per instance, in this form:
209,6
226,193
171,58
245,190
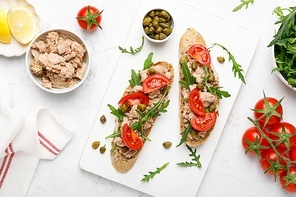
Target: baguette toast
123,155
196,125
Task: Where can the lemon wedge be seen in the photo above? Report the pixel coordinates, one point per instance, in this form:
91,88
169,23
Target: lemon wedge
22,24
4,30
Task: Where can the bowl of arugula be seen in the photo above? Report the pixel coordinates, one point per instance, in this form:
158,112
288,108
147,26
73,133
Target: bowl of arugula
283,47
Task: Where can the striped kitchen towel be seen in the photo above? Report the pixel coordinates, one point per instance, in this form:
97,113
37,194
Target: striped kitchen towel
24,141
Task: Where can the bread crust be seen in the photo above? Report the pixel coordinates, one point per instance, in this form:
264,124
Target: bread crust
120,162
189,38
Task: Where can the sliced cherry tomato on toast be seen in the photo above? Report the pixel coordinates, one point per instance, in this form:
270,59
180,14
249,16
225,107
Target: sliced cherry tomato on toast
200,53
204,123
134,98
195,104
154,82
130,138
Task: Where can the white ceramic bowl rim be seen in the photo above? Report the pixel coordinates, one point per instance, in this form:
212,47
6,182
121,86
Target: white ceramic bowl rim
37,80
274,65
173,26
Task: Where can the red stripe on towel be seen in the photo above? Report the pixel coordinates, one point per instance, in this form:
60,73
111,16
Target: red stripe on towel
6,163
48,145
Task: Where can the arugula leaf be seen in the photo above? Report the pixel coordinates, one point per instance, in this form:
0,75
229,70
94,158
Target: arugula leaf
116,112
287,23
135,79
150,174
188,78
236,67
218,92
148,62
194,161
155,111
132,50
185,133
114,134
244,3
285,44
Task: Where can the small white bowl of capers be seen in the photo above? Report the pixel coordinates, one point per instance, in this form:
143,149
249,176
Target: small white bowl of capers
158,25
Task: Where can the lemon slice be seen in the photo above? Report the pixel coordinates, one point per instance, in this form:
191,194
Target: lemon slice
4,30
22,24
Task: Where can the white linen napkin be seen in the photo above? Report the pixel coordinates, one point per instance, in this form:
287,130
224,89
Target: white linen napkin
42,135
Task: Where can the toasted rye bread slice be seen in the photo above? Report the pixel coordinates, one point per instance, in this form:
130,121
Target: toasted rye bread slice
119,161
189,38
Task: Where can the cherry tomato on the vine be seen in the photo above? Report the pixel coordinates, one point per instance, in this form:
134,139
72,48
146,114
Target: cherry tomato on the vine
250,135
268,111
288,182
269,156
283,130
89,18
292,153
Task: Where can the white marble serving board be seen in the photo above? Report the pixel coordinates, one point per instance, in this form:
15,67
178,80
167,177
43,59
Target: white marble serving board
173,180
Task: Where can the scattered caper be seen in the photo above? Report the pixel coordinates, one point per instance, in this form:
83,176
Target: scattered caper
194,65
211,78
182,59
167,144
151,71
141,107
95,144
103,149
200,86
103,119
124,108
221,59
212,107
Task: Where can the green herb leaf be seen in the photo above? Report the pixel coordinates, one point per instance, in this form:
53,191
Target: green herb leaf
159,107
236,67
244,3
150,175
188,78
116,112
135,79
194,161
148,62
287,23
132,51
185,133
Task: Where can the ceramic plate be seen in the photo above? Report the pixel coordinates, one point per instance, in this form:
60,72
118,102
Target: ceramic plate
173,180
15,48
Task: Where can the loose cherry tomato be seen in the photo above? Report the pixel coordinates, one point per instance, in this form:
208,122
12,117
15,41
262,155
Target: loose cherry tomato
290,180
154,82
89,18
267,112
251,134
195,104
283,129
130,138
134,98
292,153
204,123
200,53
268,156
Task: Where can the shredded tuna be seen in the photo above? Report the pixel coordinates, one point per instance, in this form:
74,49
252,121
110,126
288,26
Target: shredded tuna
58,61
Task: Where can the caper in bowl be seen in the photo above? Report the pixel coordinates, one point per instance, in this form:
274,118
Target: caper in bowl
158,25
